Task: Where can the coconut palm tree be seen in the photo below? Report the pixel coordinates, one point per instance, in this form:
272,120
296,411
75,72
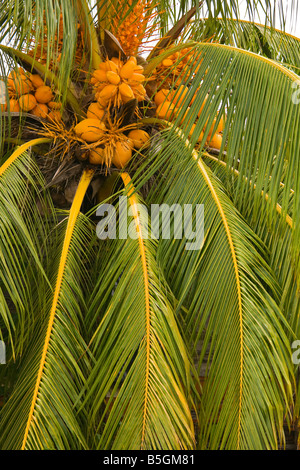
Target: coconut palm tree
110,112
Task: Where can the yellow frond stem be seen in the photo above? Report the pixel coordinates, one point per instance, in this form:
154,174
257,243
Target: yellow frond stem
20,150
74,212
133,202
288,219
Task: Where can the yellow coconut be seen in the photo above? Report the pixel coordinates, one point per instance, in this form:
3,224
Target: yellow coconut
36,80
136,77
128,69
113,77
167,62
161,96
54,105
221,125
215,142
27,102
97,156
139,138
99,76
166,111
202,105
95,111
54,115
117,61
122,154
218,129
40,110
200,137
126,91
14,106
44,94
139,92
19,83
179,95
90,130
108,92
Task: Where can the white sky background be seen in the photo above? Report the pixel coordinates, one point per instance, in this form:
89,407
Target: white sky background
292,25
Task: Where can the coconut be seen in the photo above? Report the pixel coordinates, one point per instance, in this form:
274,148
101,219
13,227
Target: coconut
40,110
95,111
90,130
54,115
36,80
122,154
27,102
97,156
139,138
14,106
44,94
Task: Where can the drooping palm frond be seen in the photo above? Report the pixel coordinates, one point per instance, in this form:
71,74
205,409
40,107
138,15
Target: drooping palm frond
259,99
272,43
278,239
22,240
41,412
230,298
138,388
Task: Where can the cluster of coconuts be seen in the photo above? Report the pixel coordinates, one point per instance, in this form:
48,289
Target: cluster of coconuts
117,82
28,93
168,104
113,147
177,66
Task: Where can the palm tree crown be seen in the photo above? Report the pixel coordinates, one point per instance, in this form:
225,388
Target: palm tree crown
148,342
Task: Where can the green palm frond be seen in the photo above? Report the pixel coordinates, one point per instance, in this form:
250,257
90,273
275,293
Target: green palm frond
41,411
139,385
278,239
261,134
22,240
229,294
272,43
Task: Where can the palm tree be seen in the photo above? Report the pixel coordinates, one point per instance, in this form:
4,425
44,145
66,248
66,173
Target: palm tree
135,342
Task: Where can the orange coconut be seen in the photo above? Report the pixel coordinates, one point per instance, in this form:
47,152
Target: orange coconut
90,130
14,106
128,69
27,102
36,80
54,115
95,111
108,92
215,142
19,83
126,92
97,156
139,138
44,94
161,96
113,77
179,95
122,154
40,110
54,105
166,110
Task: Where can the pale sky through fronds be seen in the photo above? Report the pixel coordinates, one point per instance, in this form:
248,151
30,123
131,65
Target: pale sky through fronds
292,25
